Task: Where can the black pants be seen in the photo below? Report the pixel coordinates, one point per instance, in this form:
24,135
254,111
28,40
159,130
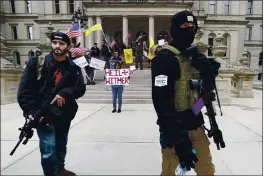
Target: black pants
149,63
140,61
107,63
90,73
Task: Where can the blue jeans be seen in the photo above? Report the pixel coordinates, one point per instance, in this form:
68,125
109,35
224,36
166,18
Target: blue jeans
117,92
52,144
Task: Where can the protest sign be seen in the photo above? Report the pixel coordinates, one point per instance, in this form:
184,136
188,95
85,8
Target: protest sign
116,76
97,63
132,70
81,62
145,53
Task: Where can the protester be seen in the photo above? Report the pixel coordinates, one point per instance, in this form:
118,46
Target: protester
95,51
117,92
106,54
47,95
139,56
182,136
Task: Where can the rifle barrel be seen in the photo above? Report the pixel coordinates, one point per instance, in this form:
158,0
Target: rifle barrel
18,143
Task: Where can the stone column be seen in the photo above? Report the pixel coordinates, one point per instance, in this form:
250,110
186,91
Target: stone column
125,30
91,36
99,33
151,28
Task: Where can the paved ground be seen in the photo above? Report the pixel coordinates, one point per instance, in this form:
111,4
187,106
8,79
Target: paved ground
102,143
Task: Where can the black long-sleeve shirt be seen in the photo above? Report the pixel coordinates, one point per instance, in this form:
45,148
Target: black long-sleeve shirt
165,72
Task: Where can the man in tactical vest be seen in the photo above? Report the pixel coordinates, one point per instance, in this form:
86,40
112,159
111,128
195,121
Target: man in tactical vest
47,95
182,138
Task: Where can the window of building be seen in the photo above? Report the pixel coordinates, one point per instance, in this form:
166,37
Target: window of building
13,8
260,59
57,6
260,76
210,43
28,6
30,32
71,6
226,7
16,56
248,33
212,4
261,32
14,32
250,4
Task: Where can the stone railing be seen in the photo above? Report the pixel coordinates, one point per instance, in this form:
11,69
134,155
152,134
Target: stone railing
137,1
221,17
253,42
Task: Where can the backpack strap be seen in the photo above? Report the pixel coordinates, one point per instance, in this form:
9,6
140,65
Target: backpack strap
172,49
40,64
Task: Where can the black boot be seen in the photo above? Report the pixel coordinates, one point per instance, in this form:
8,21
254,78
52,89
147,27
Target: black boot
66,173
119,110
114,110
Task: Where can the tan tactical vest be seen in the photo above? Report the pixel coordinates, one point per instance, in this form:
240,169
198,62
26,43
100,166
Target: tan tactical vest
184,96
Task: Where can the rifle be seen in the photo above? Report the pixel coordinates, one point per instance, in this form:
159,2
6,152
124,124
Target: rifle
208,69
27,130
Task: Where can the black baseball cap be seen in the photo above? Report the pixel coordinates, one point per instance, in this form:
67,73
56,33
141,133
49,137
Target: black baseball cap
60,36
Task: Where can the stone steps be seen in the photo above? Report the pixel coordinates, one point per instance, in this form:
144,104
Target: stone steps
109,101
137,92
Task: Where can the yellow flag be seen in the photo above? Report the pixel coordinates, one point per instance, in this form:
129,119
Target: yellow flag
96,27
151,49
128,56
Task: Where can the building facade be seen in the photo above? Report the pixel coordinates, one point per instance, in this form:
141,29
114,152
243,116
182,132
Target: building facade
239,22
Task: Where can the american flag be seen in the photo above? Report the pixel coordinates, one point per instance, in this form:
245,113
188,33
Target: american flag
74,31
78,51
128,35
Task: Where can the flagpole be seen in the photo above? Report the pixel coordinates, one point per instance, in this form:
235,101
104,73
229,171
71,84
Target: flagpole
105,38
79,21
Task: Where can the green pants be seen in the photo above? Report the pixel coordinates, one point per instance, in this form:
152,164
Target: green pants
201,144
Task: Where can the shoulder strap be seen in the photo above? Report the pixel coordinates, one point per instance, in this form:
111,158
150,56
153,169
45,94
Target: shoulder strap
40,64
177,56
172,49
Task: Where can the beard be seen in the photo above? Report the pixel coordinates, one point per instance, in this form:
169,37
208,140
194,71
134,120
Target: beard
59,52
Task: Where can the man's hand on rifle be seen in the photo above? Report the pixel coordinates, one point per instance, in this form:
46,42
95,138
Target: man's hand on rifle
60,100
30,117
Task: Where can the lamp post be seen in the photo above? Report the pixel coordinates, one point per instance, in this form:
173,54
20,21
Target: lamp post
81,19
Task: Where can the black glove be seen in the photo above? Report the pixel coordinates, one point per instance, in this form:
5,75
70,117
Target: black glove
186,154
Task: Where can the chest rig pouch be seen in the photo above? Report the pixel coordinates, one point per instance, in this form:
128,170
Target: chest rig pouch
185,96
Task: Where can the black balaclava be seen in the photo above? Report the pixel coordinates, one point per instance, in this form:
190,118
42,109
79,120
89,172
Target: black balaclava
183,37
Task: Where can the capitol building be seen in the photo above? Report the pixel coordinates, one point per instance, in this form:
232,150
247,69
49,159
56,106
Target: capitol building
23,23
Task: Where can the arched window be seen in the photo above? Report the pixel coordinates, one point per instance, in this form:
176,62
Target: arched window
227,43
211,37
16,57
30,54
